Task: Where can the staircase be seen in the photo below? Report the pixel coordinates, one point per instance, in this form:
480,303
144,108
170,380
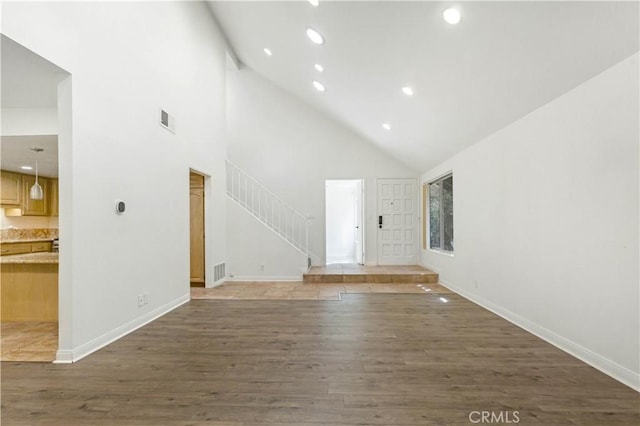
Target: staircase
266,207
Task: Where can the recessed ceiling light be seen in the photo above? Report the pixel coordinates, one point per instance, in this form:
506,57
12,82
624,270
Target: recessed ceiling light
386,126
318,67
26,168
319,86
315,36
314,3
407,91
451,15
268,51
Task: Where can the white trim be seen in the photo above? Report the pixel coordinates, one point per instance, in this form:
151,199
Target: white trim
605,365
439,251
265,278
440,176
66,356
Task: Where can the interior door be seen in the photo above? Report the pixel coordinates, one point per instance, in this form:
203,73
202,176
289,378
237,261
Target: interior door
196,228
397,222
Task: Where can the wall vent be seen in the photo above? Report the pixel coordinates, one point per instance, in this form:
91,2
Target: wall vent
167,121
219,272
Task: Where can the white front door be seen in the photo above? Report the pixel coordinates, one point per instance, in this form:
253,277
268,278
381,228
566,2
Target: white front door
397,222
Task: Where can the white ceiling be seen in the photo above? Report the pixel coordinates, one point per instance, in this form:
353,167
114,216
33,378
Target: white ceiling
28,81
15,152
502,61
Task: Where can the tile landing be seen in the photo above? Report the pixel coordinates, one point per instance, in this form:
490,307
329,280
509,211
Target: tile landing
349,273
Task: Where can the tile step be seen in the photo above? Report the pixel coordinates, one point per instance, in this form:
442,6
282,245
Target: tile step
425,278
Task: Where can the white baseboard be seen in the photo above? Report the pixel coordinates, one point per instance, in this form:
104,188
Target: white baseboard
265,278
65,356
605,365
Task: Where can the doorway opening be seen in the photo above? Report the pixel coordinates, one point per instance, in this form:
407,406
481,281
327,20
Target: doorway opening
196,230
344,213
35,145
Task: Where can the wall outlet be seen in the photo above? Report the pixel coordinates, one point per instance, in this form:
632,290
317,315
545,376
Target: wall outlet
262,267
140,300
475,284
145,298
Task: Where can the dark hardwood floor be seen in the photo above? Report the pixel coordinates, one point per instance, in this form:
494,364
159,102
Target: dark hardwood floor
379,359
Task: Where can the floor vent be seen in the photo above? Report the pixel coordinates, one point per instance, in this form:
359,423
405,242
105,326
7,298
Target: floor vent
219,272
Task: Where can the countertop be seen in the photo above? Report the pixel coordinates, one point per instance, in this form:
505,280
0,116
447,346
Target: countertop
32,240
44,257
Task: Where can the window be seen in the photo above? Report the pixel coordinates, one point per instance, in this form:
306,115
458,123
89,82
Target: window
441,214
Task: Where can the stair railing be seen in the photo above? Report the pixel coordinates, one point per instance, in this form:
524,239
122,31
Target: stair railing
265,206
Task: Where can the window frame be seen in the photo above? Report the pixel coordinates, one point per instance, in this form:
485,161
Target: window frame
439,180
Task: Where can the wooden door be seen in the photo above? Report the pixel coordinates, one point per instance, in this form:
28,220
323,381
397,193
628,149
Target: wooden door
35,207
11,192
398,230
53,197
196,225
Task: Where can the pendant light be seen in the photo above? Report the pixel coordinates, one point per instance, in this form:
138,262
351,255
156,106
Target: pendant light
36,193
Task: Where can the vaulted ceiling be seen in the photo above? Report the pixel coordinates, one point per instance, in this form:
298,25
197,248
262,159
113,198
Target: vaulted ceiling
502,61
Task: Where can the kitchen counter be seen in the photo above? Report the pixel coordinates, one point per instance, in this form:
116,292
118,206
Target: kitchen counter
45,257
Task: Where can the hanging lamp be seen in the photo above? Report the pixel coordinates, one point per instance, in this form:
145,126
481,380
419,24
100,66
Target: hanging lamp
36,193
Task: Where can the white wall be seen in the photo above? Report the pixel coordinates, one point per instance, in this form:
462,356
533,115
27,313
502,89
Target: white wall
256,252
29,121
292,149
127,60
546,222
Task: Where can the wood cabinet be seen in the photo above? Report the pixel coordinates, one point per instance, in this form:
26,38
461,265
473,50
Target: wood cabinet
29,292
53,197
41,246
26,247
35,207
15,248
15,195
11,188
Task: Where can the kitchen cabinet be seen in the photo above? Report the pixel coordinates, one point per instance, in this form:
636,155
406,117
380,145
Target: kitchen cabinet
26,247
11,188
15,248
53,197
35,207
41,246
29,292
15,195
